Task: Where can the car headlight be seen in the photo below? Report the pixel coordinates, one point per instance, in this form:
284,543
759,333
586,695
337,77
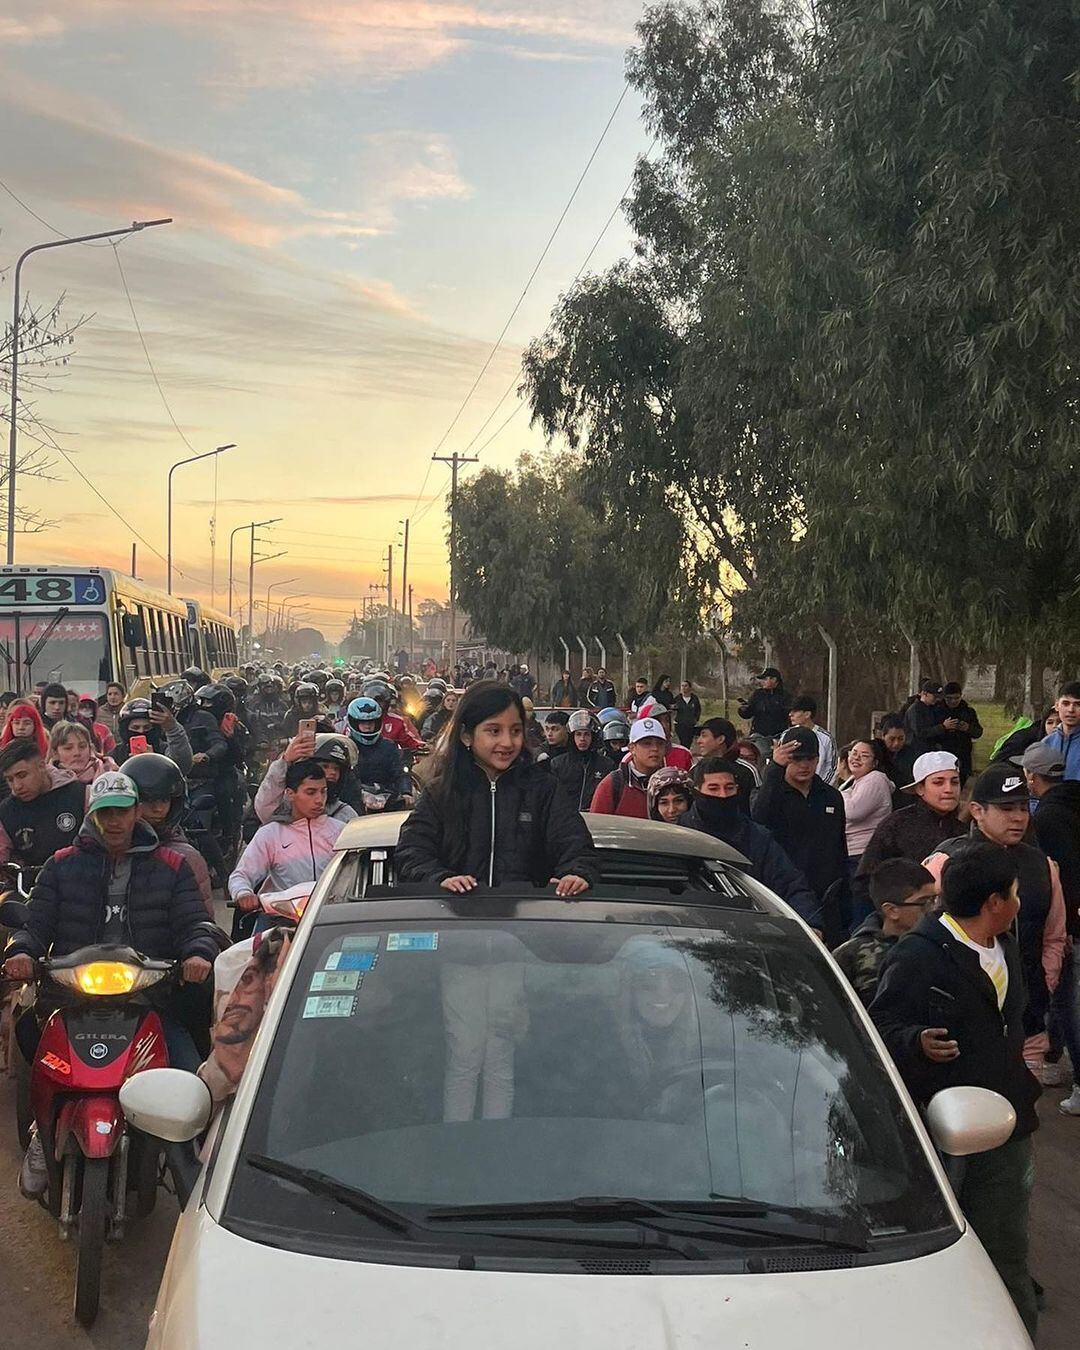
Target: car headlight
107,977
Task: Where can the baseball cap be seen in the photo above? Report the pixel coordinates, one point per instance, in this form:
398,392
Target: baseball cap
645,727
1042,759
720,727
929,687
112,789
769,673
1000,785
806,742
934,761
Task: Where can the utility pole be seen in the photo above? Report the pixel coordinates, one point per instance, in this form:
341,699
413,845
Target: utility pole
405,580
453,460
389,604
410,627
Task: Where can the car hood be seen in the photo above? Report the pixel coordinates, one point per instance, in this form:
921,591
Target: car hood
223,1292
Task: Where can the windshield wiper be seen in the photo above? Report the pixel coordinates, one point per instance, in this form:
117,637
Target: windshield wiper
363,1202
321,1183
727,1216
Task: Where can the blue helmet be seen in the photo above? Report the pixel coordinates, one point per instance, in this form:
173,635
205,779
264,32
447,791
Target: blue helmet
365,719
606,715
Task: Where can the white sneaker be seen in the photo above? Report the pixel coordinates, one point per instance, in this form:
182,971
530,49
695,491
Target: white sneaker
1070,1105
33,1175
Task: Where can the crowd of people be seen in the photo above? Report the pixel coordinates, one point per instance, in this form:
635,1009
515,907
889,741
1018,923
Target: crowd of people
950,900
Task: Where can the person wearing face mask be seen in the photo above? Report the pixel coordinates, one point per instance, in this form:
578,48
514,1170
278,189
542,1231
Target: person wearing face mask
489,816
716,811
72,747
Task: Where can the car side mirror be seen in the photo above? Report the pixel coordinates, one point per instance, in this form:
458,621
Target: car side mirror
965,1120
170,1104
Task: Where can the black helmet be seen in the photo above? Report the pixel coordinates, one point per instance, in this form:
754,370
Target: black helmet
319,677
158,780
179,694
333,749
268,683
133,708
334,686
195,677
380,690
306,691
238,687
616,732
215,699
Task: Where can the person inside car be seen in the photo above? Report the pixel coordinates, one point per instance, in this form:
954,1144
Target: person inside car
489,814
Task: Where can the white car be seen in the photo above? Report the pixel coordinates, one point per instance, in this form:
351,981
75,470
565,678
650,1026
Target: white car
653,1118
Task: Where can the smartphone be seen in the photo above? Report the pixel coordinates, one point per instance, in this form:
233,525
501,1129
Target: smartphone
160,702
306,726
941,1008
228,723
138,745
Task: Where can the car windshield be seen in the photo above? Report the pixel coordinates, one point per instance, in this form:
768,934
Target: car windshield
514,1062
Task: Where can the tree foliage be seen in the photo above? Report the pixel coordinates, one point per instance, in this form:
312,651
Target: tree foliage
843,355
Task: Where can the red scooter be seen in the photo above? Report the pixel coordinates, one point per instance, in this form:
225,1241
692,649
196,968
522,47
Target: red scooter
103,1032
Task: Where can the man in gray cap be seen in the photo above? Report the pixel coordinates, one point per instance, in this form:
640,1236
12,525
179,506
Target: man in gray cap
1056,823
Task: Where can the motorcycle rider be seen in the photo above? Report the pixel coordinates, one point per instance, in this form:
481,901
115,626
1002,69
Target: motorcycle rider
116,883
616,740
397,729
158,723
162,800
285,853
338,756
379,759
584,765
334,700
229,786
305,706
267,710
45,807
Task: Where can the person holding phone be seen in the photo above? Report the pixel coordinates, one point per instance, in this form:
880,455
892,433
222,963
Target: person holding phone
950,1008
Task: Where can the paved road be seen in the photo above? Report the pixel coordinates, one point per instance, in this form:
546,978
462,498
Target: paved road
36,1268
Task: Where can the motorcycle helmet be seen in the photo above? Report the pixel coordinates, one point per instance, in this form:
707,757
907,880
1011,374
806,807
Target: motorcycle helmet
268,685
216,700
324,743
365,718
616,732
380,690
437,685
279,685
334,691
606,715
236,685
195,677
330,748
179,693
582,721
134,710
158,780
308,694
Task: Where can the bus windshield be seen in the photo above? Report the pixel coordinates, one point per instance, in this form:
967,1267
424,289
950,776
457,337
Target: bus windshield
74,652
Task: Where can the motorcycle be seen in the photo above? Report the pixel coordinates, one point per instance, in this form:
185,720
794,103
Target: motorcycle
104,1032
16,881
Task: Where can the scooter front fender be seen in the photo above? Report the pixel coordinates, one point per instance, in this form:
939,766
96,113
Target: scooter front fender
96,1124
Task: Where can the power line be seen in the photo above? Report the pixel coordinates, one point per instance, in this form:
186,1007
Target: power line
42,221
146,353
525,289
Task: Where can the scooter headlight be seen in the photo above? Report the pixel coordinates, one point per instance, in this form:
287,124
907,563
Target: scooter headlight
107,977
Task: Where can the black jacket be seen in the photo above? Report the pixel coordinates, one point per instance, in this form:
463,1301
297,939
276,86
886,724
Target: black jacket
767,711
578,774
1014,745
564,689
538,833
991,1042
1057,830
687,713
382,764
164,907
957,743
207,738
769,864
923,724
913,832
810,829
601,694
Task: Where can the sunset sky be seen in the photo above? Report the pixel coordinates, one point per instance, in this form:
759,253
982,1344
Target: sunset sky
361,189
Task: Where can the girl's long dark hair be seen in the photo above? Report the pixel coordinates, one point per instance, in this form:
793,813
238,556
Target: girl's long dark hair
452,764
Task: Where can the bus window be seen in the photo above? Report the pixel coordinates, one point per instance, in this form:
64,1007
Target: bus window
153,637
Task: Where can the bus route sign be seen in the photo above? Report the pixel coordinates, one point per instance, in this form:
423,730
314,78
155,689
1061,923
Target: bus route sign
52,589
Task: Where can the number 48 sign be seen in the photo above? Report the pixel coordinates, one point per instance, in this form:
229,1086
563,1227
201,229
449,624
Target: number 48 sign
51,590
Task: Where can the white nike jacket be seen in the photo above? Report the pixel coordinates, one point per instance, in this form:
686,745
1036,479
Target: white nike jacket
283,854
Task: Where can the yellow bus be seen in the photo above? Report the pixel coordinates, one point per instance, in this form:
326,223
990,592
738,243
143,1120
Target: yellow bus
212,638
86,626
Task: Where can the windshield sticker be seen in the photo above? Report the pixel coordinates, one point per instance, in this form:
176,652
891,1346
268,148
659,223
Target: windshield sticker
351,960
359,943
412,942
334,981
334,1005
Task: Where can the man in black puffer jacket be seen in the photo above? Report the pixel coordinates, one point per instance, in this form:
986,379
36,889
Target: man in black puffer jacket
584,764
117,884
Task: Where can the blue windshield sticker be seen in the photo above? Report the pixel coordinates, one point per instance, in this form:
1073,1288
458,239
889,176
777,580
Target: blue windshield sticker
412,942
333,1005
334,981
351,960
359,943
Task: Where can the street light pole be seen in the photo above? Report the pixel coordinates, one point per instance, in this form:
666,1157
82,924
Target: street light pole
13,430
268,590
208,454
